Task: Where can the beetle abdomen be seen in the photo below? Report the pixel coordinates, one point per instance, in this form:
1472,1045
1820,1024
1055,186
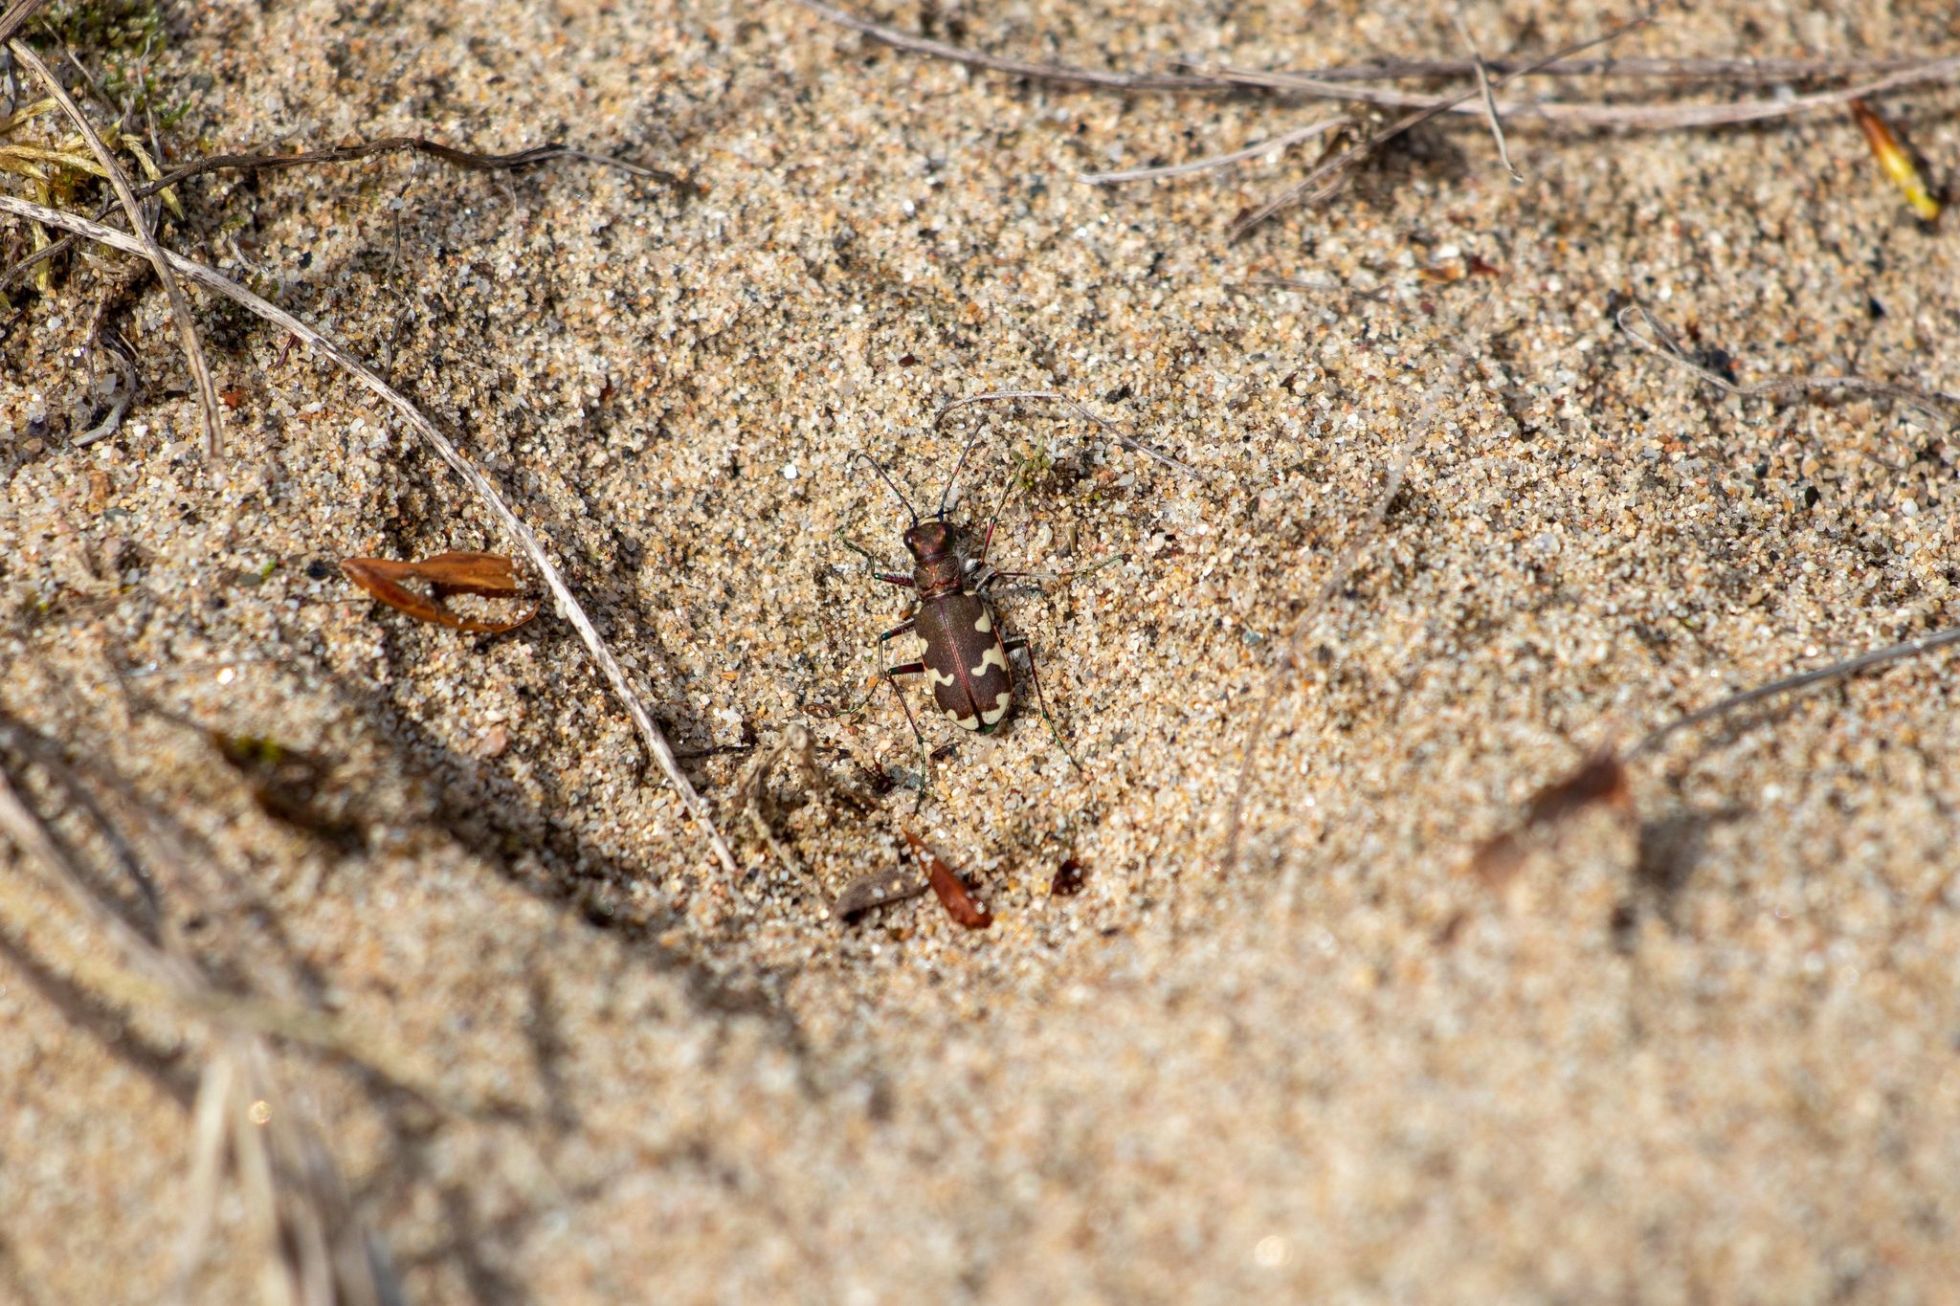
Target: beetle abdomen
966,663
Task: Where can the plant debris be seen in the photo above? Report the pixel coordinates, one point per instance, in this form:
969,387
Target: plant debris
493,575
797,749
1897,161
952,891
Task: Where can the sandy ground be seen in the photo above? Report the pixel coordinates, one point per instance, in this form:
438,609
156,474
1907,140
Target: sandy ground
1705,1055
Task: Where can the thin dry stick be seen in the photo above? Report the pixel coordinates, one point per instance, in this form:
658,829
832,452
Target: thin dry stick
1784,389
1337,82
1489,97
1289,658
568,605
1314,180
1347,83
169,981
180,304
1744,71
1634,117
17,13
1047,72
161,976
1791,684
1283,142
468,160
465,159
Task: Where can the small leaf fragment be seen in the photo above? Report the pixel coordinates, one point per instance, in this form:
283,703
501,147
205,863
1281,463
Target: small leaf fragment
1601,780
1896,161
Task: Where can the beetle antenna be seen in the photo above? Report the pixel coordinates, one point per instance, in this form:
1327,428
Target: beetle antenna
947,493
886,477
1109,428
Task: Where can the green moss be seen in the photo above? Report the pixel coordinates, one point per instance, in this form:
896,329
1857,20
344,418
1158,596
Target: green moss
102,26
119,40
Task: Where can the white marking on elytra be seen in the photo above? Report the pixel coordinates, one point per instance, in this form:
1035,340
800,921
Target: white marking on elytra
1002,702
993,657
963,722
934,678
984,624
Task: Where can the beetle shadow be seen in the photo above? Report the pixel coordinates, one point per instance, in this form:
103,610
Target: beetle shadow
1668,851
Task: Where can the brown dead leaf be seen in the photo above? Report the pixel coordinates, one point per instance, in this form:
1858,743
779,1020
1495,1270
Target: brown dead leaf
493,575
952,892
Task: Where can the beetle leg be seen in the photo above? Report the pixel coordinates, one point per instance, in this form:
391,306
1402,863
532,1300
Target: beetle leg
890,675
1013,642
892,578
925,750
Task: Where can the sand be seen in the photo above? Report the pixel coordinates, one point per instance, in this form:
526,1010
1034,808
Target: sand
1704,1052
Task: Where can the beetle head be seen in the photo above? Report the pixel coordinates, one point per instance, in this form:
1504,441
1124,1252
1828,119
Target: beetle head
930,540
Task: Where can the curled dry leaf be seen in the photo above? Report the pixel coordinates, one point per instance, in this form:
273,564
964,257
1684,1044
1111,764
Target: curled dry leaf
952,893
493,575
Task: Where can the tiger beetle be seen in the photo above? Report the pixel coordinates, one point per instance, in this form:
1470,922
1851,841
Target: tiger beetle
965,655
964,658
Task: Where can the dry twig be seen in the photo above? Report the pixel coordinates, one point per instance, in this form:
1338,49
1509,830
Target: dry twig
1489,97
1589,114
1676,69
268,162
1284,141
180,304
1840,670
1351,83
1602,779
1115,432
1663,344
568,604
17,14
1348,81
799,748
1317,183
